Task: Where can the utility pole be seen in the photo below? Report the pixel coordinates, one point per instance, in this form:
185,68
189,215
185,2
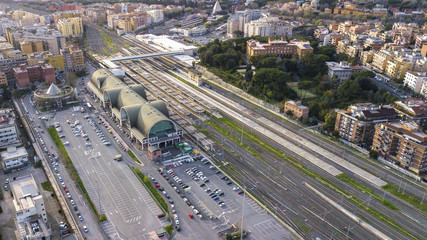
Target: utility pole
241,139
243,211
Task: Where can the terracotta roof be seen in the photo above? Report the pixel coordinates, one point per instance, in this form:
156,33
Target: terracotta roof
379,113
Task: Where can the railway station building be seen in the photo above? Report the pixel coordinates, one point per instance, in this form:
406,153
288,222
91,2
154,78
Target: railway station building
148,122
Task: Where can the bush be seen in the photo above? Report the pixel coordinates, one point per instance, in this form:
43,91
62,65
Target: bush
46,186
169,229
373,154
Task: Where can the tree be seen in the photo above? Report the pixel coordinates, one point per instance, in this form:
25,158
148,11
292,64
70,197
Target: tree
238,33
373,154
329,121
289,113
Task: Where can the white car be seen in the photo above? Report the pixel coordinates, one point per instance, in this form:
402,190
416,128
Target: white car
66,143
175,216
85,229
72,202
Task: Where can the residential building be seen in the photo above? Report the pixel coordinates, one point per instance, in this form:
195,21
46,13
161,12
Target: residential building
6,23
31,46
238,20
27,19
423,91
268,26
424,50
420,41
341,70
380,60
52,40
398,66
374,43
5,46
156,15
8,61
73,58
320,33
13,158
414,110
298,110
26,74
57,61
335,38
30,210
3,79
420,65
9,134
354,51
357,123
402,142
70,27
195,76
367,57
95,15
415,80
280,48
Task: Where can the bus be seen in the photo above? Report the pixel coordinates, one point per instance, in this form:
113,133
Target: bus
118,158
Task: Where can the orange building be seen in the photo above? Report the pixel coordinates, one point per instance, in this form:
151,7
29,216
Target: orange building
3,79
297,109
403,142
278,48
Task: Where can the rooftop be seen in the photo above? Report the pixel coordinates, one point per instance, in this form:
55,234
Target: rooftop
13,152
409,130
24,187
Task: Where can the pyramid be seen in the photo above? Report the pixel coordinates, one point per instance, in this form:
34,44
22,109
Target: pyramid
216,7
53,90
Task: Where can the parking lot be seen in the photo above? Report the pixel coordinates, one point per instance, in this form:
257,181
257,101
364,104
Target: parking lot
112,186
213,197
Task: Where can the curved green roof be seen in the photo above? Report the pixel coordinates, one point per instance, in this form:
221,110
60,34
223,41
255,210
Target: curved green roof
129,97
149,116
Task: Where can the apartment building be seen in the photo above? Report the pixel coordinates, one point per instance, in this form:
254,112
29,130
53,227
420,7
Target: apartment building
52,40
6,23
3,79
414,110
31,46
238,20
278,48
70,27
26,74
367,57
374,43
57,61
73,58
156,15
398,66
268,26
380,60
415,80
30,210
420,41
8,61
9,134
95,15
341,70
357,123
335,38
13,158
298,110
320,33
402,142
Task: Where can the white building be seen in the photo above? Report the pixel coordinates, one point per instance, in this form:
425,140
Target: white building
341,70
9,134
30,209
13,158
166,43
156,15
238,20
268,26
415,80
216,8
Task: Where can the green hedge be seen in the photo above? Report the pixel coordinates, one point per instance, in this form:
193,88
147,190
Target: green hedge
133,156
169,229
71,169
156,194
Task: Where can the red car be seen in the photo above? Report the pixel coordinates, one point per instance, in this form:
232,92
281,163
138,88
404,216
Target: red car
157,185
160,215
240,192
170,165
190,215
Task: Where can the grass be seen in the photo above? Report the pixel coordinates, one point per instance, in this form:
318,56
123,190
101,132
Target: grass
302,93
110,43
354,183
133,156
145,180
304,227
169,229
103,218
393,190
46,186
70,167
